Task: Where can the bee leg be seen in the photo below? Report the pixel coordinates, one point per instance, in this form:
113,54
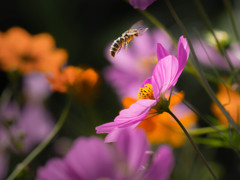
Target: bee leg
126,46
120,47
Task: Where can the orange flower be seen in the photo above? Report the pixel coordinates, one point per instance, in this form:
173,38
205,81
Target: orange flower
75,80
163,128
230,101
24,52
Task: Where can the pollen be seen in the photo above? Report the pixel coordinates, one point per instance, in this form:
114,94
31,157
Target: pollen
146,92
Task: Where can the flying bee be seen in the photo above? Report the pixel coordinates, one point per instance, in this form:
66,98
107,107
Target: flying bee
137,29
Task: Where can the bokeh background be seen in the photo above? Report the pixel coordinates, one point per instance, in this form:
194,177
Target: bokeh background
84,29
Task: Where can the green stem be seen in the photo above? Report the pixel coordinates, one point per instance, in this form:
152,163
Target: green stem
193,144
230,12
209,26
203,80
41,146
152,19
158,24
207,130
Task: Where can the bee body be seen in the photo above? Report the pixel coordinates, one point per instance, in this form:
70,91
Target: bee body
117,45
136,30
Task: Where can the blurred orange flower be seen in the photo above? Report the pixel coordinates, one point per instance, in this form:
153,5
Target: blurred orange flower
75,80
231,101
163,128
24,52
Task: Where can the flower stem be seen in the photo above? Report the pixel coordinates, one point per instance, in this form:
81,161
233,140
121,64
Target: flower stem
193,144
228,6
207,130
41,146
158,24
196,64
210,28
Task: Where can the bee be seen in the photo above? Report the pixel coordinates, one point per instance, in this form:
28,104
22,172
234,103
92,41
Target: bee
136,30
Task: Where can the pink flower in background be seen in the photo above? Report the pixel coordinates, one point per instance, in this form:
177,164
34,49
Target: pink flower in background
35,120
130,68
141,4
36,88
30,123
164,77
128,158
208,54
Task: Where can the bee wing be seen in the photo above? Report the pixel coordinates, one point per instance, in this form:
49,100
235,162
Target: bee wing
137,26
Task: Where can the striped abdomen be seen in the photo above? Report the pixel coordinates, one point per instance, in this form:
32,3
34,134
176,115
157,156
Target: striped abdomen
116,46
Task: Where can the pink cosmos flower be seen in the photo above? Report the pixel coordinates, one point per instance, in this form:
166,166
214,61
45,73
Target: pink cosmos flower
152,92
130,68
128,159
141,4
208,54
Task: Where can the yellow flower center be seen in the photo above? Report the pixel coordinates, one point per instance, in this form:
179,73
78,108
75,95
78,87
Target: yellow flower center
146,92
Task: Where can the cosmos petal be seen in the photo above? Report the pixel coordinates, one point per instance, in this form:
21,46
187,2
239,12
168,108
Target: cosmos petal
147,81
88,155
106,128
164,75
54,169
182,49
127,117
132,143
135,113
182,56
158,169
116,132
141,4
161,52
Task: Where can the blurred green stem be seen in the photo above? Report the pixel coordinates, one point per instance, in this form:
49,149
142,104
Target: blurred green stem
193,144
206,130
196,64
209,27
192,70
91,115
228,6
41,146
157,23
189,67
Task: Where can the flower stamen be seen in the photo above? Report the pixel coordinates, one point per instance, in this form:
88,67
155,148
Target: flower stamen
146,92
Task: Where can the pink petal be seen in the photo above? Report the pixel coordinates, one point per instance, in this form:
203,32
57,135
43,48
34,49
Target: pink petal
162,164
116,132
207,55
127,117
132,143
135,113
55,169
182,56
106,128
141,4
161,52
164,75
90,158
147,81
183,49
